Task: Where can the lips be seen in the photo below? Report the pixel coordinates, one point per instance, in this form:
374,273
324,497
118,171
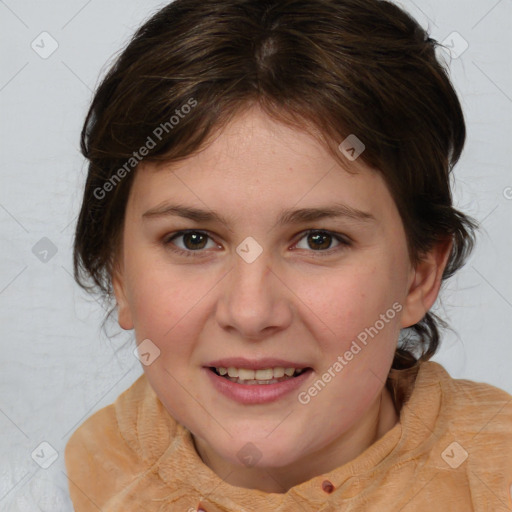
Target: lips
253,392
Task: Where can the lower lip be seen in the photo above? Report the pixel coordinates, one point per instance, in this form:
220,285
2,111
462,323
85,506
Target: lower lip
256,393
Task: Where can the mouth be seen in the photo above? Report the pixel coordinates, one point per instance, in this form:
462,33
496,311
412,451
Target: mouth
263,376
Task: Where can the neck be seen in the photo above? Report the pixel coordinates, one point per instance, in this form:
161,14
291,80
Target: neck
379,419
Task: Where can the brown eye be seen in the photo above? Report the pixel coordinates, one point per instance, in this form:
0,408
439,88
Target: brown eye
194,240
321,241
191,241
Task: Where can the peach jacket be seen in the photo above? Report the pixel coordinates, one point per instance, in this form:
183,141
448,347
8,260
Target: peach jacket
451,451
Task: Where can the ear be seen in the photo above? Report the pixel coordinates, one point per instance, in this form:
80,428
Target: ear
124,316
425,283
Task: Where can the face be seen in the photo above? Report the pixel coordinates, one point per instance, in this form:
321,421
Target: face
260,289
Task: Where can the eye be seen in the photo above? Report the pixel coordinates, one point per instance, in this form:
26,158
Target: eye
320,241
193,242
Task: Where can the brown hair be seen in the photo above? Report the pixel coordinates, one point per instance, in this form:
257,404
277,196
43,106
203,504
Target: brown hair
332,67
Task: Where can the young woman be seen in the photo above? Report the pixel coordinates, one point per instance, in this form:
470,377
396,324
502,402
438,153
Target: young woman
268,205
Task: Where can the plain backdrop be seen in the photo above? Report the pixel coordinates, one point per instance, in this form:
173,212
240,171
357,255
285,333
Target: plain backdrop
56,365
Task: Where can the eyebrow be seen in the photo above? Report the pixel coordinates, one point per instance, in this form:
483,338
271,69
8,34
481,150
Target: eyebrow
288,216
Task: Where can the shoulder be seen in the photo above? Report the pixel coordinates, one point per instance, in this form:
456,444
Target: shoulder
110,449
474,430
472,405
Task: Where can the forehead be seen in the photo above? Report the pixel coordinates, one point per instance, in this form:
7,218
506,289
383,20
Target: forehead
257,163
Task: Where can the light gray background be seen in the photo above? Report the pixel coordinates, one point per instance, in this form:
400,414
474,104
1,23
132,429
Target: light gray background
56,365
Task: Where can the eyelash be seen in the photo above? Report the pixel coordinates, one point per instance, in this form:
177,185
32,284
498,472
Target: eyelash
342,239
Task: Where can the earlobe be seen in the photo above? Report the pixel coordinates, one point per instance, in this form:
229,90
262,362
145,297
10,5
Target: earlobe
425,283
123,309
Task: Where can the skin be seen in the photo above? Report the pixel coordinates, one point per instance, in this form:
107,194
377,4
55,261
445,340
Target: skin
295,301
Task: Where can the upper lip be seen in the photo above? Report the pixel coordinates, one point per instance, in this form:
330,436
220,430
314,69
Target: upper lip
255,364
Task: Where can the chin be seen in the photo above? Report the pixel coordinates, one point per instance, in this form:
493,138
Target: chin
262,453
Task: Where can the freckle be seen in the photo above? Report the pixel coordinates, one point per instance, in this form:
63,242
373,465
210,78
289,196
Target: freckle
327,486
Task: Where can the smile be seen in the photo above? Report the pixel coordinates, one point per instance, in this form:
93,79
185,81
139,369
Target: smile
264,385
254,377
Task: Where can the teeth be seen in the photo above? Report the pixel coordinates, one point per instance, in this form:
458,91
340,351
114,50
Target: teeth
244,374
278,372
266,374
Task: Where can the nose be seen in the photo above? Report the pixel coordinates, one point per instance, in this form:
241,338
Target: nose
253,299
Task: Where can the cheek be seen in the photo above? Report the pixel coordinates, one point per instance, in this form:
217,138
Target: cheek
349,300
168,306
157,298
